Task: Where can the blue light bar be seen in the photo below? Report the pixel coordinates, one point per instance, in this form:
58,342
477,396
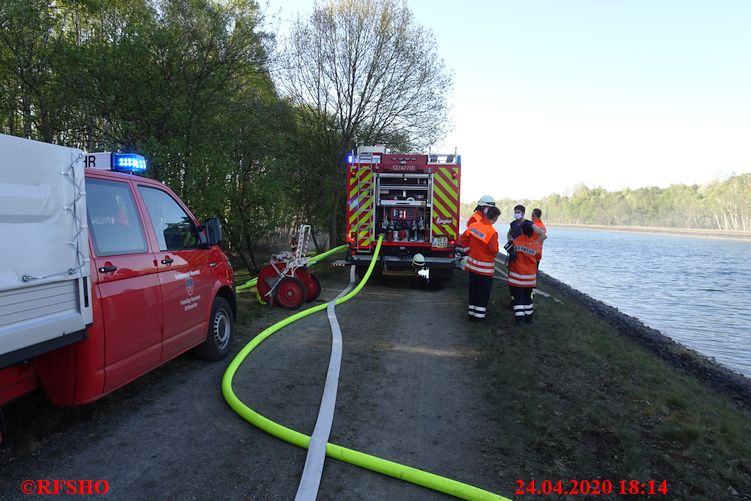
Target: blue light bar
350,158
128,162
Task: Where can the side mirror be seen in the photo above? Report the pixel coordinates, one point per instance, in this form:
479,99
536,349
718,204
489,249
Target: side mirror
213,230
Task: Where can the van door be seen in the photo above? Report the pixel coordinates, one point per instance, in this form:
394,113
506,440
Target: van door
184,272
128,285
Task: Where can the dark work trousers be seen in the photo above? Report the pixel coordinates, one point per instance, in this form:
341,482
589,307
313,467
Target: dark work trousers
479,294
523,307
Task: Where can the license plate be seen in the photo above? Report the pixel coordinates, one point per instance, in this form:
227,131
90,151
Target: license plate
440,242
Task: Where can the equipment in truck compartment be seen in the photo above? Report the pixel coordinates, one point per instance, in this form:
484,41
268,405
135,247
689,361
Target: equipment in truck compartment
413,199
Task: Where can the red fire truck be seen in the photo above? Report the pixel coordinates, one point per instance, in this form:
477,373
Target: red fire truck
413,200
109,275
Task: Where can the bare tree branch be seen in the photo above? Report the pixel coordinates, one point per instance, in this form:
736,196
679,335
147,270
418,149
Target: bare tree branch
368,64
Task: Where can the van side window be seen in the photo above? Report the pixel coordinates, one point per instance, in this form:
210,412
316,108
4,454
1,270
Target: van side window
113,218
174,228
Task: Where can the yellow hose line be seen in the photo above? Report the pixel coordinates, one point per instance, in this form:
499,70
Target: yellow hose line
373,463
311,261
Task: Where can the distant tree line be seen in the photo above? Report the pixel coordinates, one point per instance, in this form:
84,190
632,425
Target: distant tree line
237,123
721,205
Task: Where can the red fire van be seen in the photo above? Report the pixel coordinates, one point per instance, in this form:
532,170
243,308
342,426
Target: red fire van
117,278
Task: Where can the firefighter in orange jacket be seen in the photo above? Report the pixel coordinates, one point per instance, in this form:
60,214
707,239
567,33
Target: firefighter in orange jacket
522,272
482,240
537,221
483,205
481,210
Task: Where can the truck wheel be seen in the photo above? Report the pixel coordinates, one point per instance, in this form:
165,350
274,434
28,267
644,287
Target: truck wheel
440,276
290,293
361,269
221,331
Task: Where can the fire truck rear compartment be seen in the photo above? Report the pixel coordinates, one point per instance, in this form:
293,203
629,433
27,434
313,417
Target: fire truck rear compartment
410,199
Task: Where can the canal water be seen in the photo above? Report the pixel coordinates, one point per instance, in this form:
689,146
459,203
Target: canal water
695,290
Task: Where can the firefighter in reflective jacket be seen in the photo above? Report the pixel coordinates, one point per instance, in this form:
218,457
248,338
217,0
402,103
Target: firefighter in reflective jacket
522,272
481,210
483,205
482,240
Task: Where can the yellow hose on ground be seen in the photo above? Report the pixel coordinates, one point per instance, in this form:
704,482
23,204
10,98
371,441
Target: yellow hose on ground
373,463
311,261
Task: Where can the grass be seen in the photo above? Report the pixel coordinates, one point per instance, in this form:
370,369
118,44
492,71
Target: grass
571,399
574,400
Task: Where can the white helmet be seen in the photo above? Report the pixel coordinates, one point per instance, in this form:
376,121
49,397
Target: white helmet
486,201
418,260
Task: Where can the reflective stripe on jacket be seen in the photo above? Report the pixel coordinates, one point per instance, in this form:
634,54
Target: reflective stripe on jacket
482,240
523,270
480,267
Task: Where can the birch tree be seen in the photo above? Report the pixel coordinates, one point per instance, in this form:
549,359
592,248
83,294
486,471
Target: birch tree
371,74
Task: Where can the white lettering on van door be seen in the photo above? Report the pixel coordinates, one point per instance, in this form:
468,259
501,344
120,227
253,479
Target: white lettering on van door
190,302
192,273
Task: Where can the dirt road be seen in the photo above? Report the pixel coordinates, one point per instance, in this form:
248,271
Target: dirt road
410,391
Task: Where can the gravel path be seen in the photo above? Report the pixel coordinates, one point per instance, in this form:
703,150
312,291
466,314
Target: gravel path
409,392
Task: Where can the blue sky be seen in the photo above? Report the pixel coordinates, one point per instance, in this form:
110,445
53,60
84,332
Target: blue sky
551,93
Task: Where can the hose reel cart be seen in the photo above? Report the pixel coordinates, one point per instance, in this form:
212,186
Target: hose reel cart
286,281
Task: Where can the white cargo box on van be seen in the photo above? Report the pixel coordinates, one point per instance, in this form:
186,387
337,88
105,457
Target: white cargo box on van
45,286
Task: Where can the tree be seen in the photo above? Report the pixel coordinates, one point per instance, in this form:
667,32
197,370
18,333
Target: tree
185,82
366,71
314,182
29,48
724,205
257,142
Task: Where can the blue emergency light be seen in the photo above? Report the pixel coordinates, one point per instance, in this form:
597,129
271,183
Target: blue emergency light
128,162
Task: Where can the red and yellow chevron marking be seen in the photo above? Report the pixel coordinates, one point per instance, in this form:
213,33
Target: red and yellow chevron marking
360,208
446,202
357,206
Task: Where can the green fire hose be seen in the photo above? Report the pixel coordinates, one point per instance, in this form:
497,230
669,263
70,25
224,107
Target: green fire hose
373,463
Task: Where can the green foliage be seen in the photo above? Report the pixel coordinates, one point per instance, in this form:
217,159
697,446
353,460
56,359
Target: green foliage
184,82
363,72
187,83
722,205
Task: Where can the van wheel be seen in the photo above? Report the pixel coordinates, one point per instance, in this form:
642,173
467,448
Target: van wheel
221,330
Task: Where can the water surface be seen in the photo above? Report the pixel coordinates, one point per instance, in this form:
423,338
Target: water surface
695,290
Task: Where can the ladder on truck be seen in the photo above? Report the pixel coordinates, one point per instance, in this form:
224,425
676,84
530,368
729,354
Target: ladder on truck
365,202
